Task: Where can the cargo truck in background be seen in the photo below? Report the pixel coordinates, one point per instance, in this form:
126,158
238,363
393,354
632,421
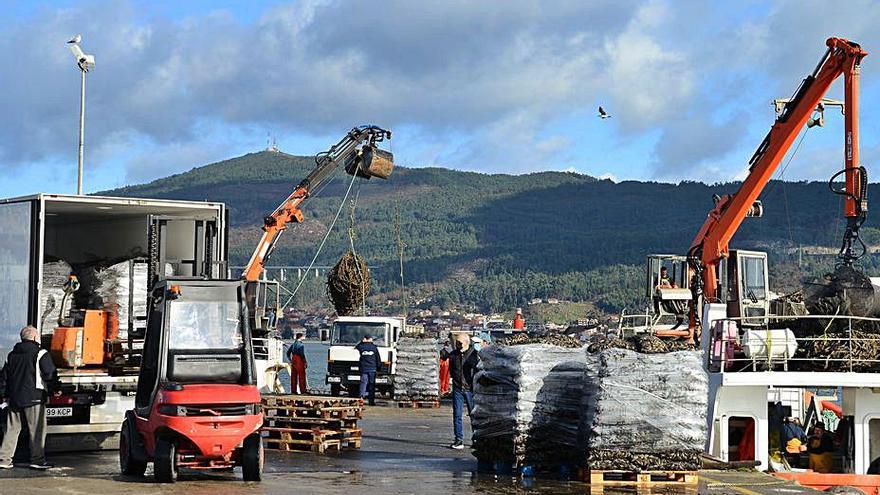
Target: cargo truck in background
143,240
343,369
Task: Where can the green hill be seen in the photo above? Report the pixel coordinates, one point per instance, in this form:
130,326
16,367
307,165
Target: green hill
495,241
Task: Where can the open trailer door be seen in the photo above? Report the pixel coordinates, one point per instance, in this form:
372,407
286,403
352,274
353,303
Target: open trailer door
19,234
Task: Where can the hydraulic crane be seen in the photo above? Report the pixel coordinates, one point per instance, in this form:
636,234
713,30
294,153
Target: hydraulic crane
360,156
710,246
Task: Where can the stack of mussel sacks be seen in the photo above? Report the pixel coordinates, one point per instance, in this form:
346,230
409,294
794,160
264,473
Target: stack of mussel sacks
621,404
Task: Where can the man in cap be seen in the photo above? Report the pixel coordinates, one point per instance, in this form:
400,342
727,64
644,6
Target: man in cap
24,381
462,367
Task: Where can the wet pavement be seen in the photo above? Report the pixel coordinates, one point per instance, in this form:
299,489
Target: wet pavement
404,451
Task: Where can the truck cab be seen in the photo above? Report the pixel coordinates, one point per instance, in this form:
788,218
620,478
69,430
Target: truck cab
343,369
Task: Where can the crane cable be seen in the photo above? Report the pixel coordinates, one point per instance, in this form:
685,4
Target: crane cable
323,241
351,236
785,193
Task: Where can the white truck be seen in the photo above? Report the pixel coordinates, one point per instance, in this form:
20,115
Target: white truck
157,238
343,369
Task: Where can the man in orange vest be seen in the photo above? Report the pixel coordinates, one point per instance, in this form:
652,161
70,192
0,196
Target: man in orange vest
519,323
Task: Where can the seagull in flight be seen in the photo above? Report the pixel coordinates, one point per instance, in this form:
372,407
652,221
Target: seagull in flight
75,40
603,114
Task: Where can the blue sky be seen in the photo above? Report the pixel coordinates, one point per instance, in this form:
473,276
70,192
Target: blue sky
493,86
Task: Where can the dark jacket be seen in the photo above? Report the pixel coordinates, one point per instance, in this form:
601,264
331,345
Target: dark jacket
28,375
816,445
369,362
793,430
297,348
462,367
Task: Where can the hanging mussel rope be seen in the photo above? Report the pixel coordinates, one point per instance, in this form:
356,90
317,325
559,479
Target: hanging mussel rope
348,284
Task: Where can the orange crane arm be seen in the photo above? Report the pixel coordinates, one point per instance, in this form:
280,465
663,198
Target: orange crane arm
355,152
711,243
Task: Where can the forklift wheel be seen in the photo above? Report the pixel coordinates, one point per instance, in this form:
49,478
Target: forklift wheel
252,458
127,462
165,461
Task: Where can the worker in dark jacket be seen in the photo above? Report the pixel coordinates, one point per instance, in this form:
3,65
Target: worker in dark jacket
369,365
296,354
24,381
462,368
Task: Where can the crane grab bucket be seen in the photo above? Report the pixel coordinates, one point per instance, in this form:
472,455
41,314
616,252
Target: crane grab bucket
371,161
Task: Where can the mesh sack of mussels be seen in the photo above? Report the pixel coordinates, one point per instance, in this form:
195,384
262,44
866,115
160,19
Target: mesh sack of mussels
646,344
556,339
54,276
111,287
418,370
348,284
650,411
530,405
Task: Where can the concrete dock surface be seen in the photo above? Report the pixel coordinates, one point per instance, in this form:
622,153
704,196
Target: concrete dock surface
404,451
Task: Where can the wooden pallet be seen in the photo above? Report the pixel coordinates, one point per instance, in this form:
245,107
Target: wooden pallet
311,401
416,404
310,406
309,423
314,440
645,478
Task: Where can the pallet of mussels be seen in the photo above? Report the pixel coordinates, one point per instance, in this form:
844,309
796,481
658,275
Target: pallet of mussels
311,423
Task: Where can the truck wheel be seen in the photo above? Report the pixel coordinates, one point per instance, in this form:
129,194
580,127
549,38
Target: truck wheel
335,390
128,464
252,458
165,461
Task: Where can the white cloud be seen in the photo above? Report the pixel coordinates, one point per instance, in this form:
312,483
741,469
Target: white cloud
501,73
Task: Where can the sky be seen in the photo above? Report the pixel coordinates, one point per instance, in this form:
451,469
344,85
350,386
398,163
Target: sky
506,86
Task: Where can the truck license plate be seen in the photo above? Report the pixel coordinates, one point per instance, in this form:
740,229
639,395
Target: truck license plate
59,412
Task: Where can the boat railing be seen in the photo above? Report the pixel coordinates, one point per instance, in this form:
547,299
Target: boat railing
633,322
839,343
261,348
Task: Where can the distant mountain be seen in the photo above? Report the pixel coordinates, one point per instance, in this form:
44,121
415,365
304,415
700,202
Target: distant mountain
494,241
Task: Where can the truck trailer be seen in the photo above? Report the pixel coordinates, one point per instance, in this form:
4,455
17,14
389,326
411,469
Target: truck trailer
141,239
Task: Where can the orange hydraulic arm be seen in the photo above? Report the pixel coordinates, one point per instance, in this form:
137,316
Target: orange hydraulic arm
356,152
711,243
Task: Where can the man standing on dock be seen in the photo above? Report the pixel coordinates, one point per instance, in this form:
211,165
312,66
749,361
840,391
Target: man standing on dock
296,353
24,381
369,365
462,367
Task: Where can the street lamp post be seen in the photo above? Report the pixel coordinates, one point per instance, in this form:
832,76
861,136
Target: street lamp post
85,63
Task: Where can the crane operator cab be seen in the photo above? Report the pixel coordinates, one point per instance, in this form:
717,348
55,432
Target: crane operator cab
197,403
667,287
747,293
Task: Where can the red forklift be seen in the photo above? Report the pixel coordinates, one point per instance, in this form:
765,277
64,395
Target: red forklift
197,404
